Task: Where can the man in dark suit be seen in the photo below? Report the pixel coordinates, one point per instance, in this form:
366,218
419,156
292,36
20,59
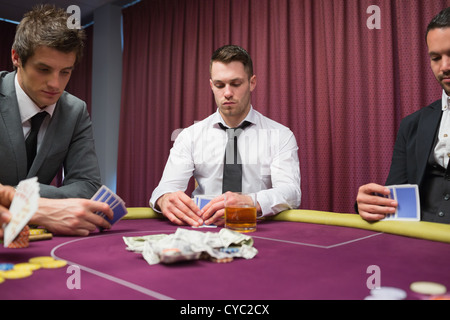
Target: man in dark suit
44,53
422,148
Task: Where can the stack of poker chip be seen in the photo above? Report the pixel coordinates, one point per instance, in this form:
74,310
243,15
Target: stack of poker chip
21,241
37,234
26,269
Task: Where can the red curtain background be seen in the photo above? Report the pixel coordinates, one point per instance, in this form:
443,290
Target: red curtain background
7,32
341,87
80,84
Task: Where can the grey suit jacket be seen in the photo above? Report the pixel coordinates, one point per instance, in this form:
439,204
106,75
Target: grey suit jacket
68,143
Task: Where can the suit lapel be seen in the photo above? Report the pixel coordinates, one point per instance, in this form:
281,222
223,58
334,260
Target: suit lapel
426,133
9,112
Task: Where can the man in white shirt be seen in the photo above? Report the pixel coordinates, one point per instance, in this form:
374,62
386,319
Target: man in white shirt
268,151
422,149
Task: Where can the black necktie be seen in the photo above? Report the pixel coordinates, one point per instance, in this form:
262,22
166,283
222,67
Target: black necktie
447,171
31,141
232,168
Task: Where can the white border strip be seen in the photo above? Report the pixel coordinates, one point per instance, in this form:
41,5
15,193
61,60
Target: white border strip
161,296
103,275
318,245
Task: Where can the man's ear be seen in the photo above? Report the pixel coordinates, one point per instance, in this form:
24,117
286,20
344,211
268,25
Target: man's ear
252,83
15,58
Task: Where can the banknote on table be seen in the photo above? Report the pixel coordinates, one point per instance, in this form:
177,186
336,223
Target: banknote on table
187,244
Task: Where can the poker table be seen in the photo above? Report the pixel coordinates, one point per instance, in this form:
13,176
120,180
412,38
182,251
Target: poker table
302,255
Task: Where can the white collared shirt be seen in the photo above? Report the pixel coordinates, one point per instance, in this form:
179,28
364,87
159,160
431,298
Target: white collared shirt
269,154
28,109
442,149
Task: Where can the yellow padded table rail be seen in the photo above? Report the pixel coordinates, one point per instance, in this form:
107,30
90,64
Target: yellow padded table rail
415,229
142,213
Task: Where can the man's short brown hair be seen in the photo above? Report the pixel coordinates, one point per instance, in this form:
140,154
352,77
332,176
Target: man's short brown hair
229,53
46,25
440,21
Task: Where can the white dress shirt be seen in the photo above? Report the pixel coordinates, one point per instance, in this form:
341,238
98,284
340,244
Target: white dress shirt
269,154
28,109
442,149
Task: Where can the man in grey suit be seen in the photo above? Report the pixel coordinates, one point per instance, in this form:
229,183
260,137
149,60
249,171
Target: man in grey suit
422,148
44,54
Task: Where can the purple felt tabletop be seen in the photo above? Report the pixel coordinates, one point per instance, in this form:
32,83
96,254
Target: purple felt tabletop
295,261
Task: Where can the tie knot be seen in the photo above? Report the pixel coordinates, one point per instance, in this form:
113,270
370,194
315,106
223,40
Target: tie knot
37,120
235,132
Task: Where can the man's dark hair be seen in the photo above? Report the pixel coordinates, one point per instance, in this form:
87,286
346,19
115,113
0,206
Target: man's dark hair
230,53
46,25
440,21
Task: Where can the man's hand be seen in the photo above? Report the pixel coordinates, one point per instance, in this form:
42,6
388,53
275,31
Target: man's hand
6,197
71,216
214,211
180,209
372,207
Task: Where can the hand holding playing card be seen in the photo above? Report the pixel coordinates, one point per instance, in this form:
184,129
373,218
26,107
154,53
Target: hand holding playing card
117,205
23,207
212,207
408,208
6,197
179,208
373,202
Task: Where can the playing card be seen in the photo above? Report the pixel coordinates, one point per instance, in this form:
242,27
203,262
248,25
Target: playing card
117,205
202,201
408,199
24,205
103,193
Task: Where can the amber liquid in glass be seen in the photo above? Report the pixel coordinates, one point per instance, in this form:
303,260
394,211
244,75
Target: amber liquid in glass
242,219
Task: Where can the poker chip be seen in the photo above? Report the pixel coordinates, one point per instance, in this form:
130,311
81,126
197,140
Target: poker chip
6,266
27,266
25,269
53,264
40,260
48,262
16,274
374,298
37,231
444,297
21,241
428,288
387,293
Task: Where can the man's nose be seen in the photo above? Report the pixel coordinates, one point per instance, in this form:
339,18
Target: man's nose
228,92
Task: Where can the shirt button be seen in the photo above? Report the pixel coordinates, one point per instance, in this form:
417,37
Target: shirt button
440,214
447,197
